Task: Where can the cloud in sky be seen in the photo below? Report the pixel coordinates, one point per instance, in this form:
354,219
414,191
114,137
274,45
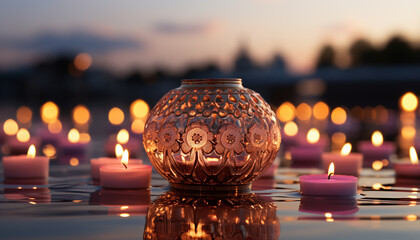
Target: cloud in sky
165,27
73,41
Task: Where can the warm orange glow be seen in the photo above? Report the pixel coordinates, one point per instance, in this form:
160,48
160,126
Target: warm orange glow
124,158
84,138
10,127
137,126
377,165
82,61
119,150
124,215
377,139
124,207
211,159
321,110
123,136
73,136
139,109
408,132
74,162
331,169
49,151
24,114
413,156
303,112
338,138
290,128
31,152
346,149
328,215
313,135
55,127
81,114
376,186
409,102
23,135
411,217
197,232
49,112
338,116
116,116
286,112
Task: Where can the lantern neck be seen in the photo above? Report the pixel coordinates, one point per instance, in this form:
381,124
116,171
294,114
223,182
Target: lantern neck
212,83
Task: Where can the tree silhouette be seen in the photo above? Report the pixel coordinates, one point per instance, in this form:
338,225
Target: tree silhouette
326,57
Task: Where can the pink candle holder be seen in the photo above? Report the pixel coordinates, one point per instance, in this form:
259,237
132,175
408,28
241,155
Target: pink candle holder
373,153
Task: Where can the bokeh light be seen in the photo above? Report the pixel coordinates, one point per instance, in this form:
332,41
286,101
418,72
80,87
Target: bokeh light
116,116
49,112
55,127
139,109
409,102
24,114
73,136
74,162
10,127
23,135
82,61
338,116
137,126
313,135
286,112
123,136
321,110
81,114
290,128
303,112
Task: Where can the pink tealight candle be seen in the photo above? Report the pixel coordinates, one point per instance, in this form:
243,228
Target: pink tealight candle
328,184
96,163
72,148
26,166
376,150
345,163
409,170
124,175
308,154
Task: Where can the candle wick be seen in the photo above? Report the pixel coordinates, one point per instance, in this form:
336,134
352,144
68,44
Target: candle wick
125,165
329,176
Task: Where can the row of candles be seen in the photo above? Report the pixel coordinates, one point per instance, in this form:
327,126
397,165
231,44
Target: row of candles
117,173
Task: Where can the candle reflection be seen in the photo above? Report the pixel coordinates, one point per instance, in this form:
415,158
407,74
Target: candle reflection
122,202
33,195
177,216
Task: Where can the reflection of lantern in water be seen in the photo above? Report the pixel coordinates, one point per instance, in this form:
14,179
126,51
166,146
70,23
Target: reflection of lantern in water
177,216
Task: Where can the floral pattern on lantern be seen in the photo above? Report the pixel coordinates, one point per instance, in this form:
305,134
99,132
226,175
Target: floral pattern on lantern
167,143
229,143
150,137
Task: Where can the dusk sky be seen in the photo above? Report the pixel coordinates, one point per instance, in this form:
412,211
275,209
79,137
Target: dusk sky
125,35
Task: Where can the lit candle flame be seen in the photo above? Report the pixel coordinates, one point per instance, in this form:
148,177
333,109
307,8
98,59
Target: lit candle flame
313,135
73,136
31,152
331,170
346,149
124,159
377,139
119,150
413,156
